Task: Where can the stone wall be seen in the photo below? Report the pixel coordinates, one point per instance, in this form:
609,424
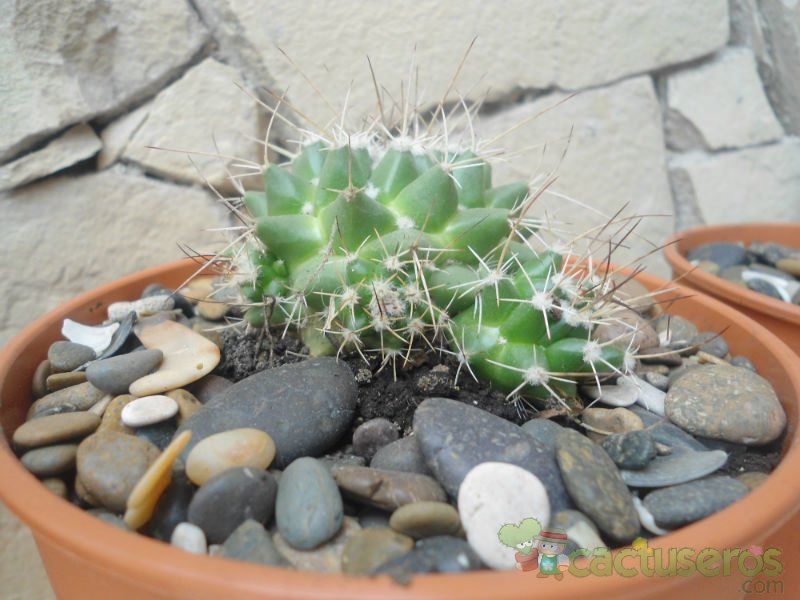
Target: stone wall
683,106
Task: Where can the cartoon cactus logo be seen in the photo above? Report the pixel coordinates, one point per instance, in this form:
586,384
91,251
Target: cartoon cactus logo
391,238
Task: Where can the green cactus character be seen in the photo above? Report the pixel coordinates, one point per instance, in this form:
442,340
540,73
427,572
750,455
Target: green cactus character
522,537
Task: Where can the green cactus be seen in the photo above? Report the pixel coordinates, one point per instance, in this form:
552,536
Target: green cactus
380,246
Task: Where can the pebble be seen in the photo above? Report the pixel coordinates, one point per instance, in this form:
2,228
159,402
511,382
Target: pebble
172,507
769,252
744,362
111,463
622,394
158,434
708,267
580,530
632,450
97,338
198,288
626,329
678,467
323,559
455,437
544,431
212,310
657,380
109,517
442,554
59,381
646,518
492,495
596,487
666,433
100,407
372,435
112,416
148,411
388,490
142,500
790,265
250,542
373,517
207,388
229,449
39,383
190,538
402,455
602,422
142,307
634,294
188,356
79,397
368,549
116,374
50,461
764,286
224,502
53,429
725,254
56,486
66,356
726,403
309,508
425,519
711,343
683,504
675,331
179,300
188,404
752,479
306,408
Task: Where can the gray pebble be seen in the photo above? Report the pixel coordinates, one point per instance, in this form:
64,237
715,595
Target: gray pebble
66,356
250,542
403,455
679,467
683,504
115,375
632,450
372,435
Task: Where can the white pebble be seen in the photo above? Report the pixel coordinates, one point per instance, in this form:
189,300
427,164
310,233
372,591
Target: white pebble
650,397
646,518
96,338
189,537
143,307
492,495
149,410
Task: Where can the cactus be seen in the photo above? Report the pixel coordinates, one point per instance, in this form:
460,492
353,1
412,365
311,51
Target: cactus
385,244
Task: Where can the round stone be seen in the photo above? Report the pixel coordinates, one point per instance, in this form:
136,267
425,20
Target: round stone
632,450
368,549
372,435
790,265
226,501
309,507
53,429
326,558
57,486
725,254
112,416
441,554
188,404
59,381
425,519
212,310
627,329
66,356
50,461
229,449
116,374
494,495
602,422
744,362
388,490
680,505
250,542
209,387
711,343
752,479
402,455
726,403
148,410
594,483
657,380
189,537
71,399
110,464
674,331
39,385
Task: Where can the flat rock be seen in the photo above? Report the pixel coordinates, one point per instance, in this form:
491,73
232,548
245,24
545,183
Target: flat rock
595,485
309,508
148,410
425,519
388,490
50,461
59,381
110,464
229,499
726,403
229,449
323,559
66,356
71,399
115,375
602,422
455,437
112,416
55,428
683,504
368,549
188,356
401,455
632,450
305,408
372,435
440,554
679,467
250,542
494,495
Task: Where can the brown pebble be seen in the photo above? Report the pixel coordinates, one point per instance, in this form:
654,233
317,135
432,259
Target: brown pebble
71,399
323,559
212,310
50,461
59,381
55,428
57,486
601,422
790,265
752,479
188,404
84,494
112,416
426,519
627,328
388,490
369,548
209,387
39,387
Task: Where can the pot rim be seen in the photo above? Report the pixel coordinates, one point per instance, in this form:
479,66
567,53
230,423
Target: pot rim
678,244
158,566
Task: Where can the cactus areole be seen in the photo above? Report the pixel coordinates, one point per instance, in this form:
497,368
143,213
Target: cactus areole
386,247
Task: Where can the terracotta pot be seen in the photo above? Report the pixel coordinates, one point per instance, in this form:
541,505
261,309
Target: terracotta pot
782,318
87,559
